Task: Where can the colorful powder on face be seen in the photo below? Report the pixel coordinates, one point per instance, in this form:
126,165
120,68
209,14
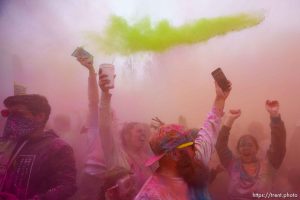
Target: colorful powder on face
125,39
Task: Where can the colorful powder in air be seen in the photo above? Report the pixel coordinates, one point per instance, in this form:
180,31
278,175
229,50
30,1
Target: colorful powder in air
120,37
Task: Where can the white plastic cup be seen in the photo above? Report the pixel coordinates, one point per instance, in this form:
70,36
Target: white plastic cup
109,70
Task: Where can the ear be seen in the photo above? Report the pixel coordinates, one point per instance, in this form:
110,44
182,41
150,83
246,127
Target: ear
40,117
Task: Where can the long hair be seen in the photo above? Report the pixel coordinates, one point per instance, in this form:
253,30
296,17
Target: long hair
125,132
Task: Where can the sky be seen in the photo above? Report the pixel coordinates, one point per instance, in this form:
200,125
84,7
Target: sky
38,37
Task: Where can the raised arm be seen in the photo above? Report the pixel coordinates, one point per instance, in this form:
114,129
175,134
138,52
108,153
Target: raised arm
93,103
93,94
95,160
208,134
106,130
222,148
277,149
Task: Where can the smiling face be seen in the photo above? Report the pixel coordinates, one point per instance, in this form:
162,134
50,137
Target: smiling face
138,136
247,148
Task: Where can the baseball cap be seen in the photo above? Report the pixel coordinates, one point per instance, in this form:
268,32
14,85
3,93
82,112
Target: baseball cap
34,102
168,138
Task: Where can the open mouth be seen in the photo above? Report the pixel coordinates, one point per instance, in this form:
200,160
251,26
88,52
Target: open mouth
247,153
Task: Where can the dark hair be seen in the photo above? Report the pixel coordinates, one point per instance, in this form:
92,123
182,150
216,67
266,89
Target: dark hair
35,103
249,136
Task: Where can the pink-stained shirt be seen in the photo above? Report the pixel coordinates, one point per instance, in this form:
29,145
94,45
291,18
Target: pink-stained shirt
207,136
159,187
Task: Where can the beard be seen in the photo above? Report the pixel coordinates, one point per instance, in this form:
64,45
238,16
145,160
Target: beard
194,172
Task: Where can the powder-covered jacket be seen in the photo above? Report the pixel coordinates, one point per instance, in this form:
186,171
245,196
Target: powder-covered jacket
43,168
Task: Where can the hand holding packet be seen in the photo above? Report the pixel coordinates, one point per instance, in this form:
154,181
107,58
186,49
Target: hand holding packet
81,53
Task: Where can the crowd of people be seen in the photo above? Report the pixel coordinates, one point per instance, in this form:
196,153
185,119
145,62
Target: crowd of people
136,161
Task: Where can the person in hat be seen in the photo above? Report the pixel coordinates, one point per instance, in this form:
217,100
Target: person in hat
41,166
249,173
183,159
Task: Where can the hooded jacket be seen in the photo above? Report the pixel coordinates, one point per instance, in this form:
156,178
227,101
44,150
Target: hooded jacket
41,168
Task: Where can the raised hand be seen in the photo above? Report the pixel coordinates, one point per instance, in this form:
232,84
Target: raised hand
220,94
104,82
232,116
234,113
272,106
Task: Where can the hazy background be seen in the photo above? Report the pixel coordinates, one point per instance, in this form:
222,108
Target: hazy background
37,38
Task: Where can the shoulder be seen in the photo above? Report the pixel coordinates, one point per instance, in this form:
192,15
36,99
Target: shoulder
147,196
149,190
54,143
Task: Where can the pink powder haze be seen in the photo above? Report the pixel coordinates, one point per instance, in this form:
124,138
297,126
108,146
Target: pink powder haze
262,62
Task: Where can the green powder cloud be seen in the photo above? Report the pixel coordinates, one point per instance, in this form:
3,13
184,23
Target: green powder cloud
121,38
